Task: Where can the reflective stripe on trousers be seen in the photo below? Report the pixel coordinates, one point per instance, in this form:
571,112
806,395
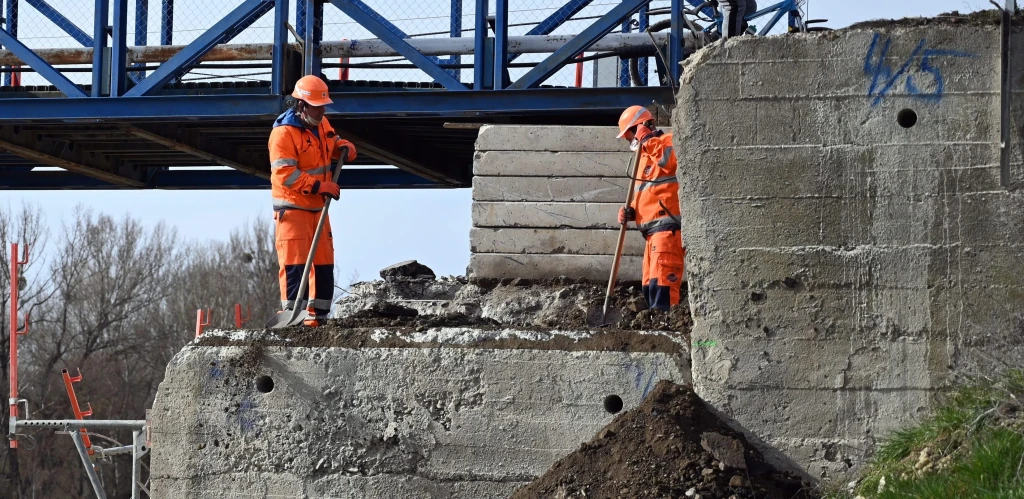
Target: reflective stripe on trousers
280,204
661,224
315,303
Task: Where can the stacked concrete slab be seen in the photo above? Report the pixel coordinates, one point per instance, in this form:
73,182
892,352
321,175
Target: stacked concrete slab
851,249
446,421
545,200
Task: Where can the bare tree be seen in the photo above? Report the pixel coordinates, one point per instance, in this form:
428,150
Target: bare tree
117,300
25,227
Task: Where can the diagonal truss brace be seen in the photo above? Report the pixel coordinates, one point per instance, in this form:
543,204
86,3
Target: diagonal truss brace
372,21
64,155
62,22
42,67
556,19
577,45
227,28
208,150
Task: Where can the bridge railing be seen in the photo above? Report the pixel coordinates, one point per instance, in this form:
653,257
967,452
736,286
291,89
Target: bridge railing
137,48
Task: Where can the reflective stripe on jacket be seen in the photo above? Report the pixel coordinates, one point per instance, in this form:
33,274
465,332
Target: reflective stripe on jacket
300,159
657,189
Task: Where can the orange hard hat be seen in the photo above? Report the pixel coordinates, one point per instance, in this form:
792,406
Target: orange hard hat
631,117
312,90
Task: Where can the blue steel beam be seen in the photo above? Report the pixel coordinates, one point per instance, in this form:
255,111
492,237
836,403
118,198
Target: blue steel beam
372,21
235,22
642,63
167,23
675,43
356,178
280,40
99,44
346,104
62,22
455,31
11,15
40,66
311,43
479,44
500,43
586,38
624,64
119,49
141,35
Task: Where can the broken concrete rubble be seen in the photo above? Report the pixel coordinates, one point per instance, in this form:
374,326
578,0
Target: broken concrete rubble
410,269
515,302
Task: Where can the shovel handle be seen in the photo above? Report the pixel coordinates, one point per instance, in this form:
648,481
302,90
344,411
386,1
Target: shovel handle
622,237
304,284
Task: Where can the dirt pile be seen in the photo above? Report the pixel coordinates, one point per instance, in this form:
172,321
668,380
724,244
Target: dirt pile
672,445
981,18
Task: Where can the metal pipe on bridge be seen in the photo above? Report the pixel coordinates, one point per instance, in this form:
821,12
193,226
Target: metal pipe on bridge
539,44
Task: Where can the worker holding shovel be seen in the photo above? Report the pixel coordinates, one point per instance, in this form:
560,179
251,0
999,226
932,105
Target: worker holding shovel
302,147
654,207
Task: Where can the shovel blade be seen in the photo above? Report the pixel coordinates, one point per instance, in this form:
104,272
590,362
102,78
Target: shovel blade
287,318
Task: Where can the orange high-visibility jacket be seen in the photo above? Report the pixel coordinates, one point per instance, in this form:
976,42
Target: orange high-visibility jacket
300,161
656,200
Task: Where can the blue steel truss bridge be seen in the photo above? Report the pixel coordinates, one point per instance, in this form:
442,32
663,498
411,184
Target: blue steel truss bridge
181,94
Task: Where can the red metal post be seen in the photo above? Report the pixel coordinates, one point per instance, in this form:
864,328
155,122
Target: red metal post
200,322
79,413
239,320
13,400
579,71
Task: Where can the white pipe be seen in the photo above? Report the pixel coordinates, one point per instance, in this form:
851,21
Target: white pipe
349,48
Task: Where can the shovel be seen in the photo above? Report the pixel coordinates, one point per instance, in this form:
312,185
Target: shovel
622,239
295,315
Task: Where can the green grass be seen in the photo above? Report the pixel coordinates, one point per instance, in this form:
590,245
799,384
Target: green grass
983,448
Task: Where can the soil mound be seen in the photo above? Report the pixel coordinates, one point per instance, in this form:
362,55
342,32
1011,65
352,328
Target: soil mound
981,18
672,445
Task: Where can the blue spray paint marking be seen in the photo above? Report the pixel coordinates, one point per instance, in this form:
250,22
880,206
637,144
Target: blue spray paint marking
639,373
215,370
883,78
247,416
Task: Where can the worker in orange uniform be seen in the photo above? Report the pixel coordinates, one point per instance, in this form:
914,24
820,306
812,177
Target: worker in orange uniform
655,208
303,147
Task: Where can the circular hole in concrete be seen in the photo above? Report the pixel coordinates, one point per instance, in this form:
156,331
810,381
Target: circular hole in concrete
613,404
264,384
906,118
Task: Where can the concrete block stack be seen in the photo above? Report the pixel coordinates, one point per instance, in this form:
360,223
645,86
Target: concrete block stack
545,200
850,247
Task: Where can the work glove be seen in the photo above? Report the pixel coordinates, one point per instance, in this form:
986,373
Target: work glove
351,150
626,214
330,189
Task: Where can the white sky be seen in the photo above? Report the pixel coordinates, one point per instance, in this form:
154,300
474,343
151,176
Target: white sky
432,225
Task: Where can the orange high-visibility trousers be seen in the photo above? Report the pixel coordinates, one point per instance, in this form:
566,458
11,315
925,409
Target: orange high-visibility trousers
293,237
663,269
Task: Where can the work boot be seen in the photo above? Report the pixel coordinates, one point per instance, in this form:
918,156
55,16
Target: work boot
311,322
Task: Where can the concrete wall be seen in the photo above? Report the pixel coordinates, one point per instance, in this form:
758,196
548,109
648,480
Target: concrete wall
545,200
848,267
383,422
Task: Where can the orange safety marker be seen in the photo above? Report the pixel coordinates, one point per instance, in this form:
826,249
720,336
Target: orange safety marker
13,400
239,320
579,71
79,413
200,322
